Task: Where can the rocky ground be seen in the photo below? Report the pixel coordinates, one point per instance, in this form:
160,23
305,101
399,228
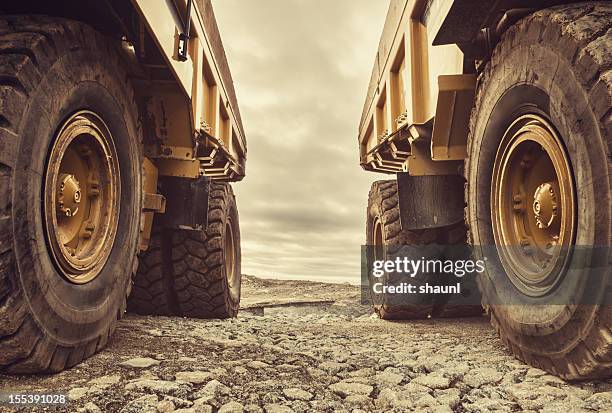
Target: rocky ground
301,346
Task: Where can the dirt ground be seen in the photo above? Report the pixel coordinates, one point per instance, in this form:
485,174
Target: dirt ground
303,346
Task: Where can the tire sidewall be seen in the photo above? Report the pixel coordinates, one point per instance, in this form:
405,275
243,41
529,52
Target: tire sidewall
234,291
530,78
72,314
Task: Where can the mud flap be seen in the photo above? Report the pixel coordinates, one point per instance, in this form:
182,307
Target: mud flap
186,202
431,201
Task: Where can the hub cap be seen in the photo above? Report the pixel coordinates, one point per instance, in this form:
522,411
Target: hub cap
81,197
532,201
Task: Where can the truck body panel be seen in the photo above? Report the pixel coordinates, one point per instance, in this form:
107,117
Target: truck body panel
404,87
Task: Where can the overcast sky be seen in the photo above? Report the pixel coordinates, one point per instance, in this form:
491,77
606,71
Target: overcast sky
301,69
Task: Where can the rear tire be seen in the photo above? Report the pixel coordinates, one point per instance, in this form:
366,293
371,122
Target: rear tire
188,273
383,218
50,71
554,64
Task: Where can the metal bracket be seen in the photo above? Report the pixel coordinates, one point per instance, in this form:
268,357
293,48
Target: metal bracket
184,36
154,203
430,201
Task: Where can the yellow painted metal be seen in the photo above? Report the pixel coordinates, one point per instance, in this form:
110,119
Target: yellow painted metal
450,130
150,176
533,205
404,86
178,168
163,25
199,100
81,196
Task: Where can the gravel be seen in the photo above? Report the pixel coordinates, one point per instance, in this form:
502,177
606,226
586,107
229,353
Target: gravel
293,357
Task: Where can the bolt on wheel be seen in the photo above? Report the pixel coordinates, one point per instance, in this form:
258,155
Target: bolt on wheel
81,197
533,202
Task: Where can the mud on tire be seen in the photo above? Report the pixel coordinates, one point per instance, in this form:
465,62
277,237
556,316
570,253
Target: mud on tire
49,70
383,208
186,272
555,63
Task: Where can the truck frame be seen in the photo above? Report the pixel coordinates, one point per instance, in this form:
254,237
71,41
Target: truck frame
120,134
495,119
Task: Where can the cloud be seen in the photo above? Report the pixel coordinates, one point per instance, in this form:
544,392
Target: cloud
301,69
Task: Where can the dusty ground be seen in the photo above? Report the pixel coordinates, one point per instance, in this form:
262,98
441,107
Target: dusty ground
301,347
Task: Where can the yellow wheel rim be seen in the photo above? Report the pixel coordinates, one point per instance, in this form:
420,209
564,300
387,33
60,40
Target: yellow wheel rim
81,197
533,205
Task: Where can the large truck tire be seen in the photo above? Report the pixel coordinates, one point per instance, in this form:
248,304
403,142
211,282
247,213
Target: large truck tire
70,192
540,156
193,273
384,233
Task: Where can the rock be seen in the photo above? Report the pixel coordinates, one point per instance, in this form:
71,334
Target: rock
427,400
448,397
288,367
185,359
144,404
441,409
386,399
534,396
203,403
415,389
256,365
431,362
365,372
215,388
485,406
231,407
165,406
240,370
359,400
433,381
194,377
91,408
105,381
140,363
297,394
160,386
332,367
178,402
77,393
253,408
600,401
480,376
277,408
390,376
533,372
344,389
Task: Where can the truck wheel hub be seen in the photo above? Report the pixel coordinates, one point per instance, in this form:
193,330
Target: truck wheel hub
545,205
81,214
532,242
69,195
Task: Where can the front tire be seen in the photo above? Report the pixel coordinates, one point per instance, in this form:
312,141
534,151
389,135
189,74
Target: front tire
547,86
70,192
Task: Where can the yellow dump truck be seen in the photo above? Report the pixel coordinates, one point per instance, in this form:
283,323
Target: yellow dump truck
119,136
496,119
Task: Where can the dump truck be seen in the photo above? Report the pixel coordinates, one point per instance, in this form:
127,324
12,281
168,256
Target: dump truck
120,134
495,118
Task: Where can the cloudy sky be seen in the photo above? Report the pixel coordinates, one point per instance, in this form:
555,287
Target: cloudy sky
301,69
